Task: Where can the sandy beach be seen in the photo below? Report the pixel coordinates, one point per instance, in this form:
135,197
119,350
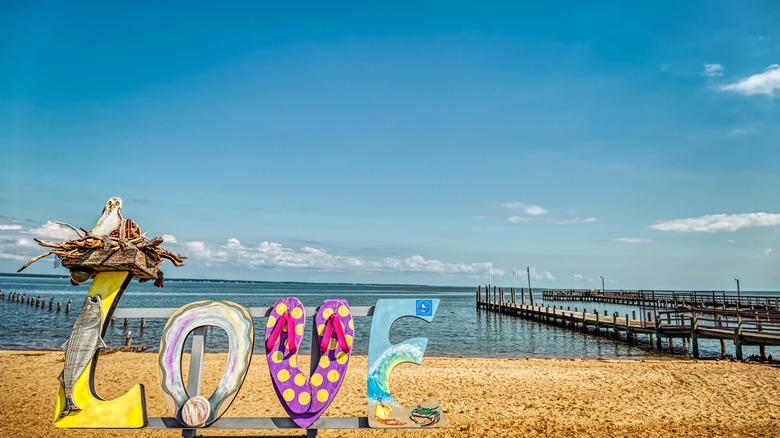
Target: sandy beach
481,397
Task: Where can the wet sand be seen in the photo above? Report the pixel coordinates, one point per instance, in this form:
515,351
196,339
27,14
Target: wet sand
481,397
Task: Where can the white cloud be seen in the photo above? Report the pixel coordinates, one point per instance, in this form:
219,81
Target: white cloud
576,221
534,214
169,238
537,275
10,227
519,219
765,83
26,242
719,223
50,230
740,131
272,255
197,249
533,210
5,255
631,240
713,70
577,276
768,251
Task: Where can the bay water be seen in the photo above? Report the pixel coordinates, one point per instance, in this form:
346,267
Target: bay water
457,330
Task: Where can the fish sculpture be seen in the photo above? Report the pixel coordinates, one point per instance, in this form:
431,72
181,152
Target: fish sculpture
84,341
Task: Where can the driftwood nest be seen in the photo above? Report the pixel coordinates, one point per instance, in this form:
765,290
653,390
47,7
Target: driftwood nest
124,249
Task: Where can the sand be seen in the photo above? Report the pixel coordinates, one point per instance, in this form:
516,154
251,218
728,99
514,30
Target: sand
481,397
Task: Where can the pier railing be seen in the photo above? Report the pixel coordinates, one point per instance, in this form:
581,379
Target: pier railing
667,299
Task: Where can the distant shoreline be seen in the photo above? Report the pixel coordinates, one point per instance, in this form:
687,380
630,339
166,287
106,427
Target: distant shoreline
222,280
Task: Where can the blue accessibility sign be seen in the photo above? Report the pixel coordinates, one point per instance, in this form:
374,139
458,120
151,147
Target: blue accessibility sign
424,308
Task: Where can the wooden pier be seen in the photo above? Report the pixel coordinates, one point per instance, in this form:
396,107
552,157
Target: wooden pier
688,323
667,299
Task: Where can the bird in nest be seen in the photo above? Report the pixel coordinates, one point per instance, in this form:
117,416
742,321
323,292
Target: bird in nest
111,223
111,218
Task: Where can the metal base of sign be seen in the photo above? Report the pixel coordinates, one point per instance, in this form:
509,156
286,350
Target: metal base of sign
250,423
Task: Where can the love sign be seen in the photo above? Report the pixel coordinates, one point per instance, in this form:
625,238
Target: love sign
304,397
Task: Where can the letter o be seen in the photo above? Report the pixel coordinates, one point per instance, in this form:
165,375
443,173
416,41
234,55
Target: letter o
232,318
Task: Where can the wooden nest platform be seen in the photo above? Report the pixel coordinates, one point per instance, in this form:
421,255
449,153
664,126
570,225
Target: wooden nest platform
134,260
119,251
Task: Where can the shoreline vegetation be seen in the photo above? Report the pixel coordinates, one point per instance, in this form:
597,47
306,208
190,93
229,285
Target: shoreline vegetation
480,396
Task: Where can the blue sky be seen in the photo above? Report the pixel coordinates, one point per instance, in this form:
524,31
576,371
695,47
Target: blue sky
404,142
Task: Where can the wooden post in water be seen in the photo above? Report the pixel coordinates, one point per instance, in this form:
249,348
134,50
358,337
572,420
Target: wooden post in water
614,325
128,339
629,333
694,335
738,338
67,308
722,341
761,348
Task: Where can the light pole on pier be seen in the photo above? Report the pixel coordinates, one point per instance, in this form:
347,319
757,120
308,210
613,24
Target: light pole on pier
738,298
602,283
490,275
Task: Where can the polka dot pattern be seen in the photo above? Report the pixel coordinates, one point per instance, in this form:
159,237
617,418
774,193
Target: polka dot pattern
306,399
288,379
332,366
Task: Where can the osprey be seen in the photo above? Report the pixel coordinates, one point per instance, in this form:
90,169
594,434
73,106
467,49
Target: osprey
111,218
